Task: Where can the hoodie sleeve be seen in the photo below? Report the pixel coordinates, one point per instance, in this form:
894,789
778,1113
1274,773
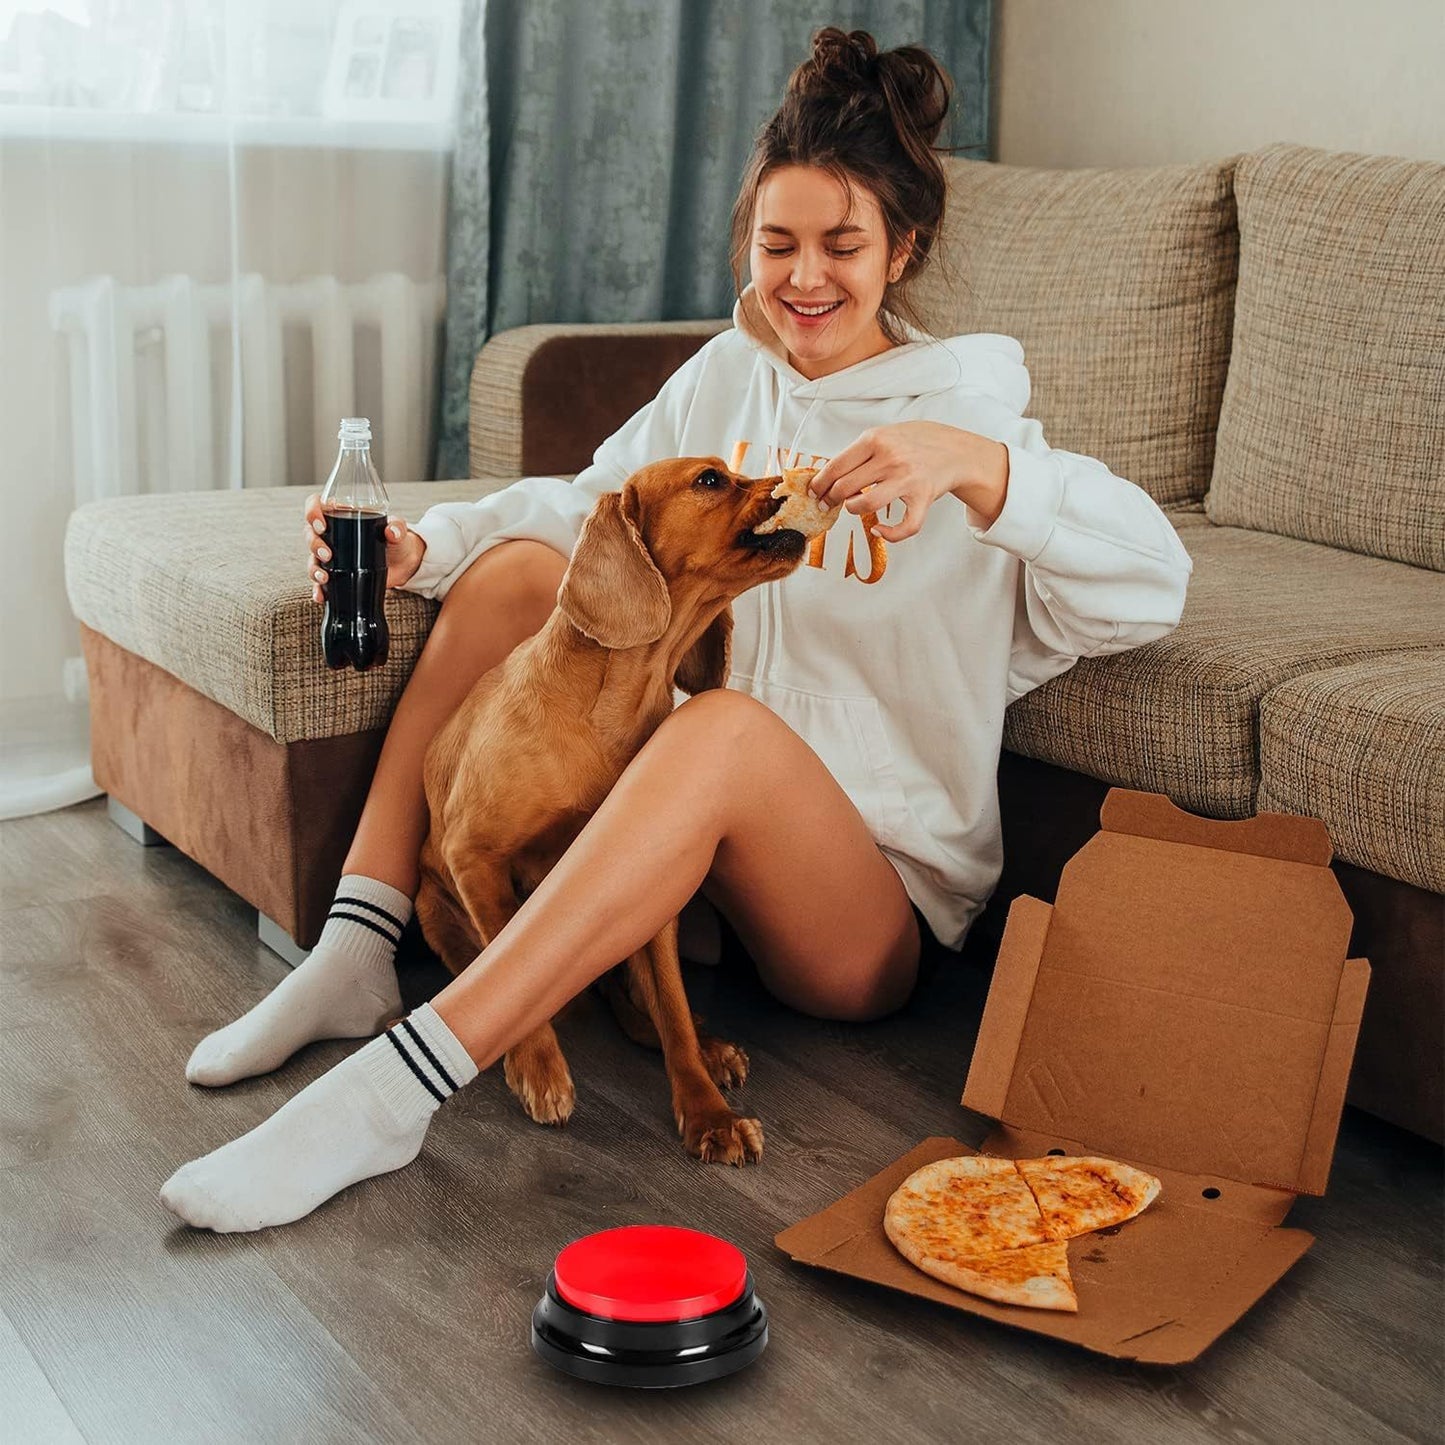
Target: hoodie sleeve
548,509
1104,570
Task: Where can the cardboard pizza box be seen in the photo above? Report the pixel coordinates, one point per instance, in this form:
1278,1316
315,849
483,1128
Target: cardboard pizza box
1185,1006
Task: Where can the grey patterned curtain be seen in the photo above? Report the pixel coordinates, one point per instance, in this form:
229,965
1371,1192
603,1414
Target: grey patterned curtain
600,146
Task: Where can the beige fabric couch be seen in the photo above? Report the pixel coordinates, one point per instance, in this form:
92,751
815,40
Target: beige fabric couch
1257,342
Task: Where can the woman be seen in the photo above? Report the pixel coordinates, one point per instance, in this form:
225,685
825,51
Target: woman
866,702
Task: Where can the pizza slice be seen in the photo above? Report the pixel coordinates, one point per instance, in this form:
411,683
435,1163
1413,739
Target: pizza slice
964,1207
1035,1275
1076,1195
800,512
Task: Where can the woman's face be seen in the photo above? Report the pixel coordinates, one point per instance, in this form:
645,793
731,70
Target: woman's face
820,281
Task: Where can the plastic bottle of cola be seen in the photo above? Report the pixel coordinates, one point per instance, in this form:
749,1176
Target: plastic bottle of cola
355,505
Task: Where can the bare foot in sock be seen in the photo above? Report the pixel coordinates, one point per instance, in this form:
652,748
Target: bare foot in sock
346,989
366,1116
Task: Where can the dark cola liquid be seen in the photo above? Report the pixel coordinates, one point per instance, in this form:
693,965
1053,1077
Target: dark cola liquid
353,629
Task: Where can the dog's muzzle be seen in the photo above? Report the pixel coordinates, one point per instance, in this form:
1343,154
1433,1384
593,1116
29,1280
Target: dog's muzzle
784,542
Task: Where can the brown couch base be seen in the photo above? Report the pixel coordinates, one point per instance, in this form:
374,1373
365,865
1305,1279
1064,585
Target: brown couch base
273,821
1399,1072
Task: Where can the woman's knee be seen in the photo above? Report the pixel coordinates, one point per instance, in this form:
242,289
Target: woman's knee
719,735
863,995
875,998
724,711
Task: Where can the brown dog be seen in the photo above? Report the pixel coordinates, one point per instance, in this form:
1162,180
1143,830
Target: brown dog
538,743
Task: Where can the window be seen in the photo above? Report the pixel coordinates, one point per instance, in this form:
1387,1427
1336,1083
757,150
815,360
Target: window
304,72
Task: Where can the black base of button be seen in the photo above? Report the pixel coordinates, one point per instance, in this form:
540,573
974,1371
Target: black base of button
649,1356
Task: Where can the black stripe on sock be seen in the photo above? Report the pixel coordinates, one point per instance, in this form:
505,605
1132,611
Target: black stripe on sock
374,907
365,923
416,1068
435,1062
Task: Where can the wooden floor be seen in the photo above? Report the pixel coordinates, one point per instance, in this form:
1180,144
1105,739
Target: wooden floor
399,1311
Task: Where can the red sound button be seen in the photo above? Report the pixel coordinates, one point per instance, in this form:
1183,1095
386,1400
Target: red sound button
650,1273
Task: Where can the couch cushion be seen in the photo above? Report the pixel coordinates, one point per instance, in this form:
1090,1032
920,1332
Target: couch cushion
1120,285
1363,747
1181,715
212,587
1333,424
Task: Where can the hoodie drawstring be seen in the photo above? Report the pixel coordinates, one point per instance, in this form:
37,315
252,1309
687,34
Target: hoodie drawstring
768,611
793,445
775,454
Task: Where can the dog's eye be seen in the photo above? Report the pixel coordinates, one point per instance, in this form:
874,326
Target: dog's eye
710,478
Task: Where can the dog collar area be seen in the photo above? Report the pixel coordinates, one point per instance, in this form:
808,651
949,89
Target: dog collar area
650,1305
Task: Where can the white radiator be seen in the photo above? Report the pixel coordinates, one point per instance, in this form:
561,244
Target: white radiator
147,364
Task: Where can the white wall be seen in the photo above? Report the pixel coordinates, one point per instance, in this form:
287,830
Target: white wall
1150,82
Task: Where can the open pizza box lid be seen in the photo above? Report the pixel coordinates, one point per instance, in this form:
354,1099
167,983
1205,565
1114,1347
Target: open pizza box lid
1184,1006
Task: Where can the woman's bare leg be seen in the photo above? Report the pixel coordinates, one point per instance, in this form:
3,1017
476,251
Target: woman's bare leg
347,987
502,599
786,857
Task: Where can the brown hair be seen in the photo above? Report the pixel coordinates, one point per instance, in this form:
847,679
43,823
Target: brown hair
870,120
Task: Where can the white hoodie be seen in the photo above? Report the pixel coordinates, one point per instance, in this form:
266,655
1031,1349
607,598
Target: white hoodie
896,677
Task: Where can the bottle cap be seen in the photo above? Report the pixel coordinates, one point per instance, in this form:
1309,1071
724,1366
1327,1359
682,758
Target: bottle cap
355,429
650,1305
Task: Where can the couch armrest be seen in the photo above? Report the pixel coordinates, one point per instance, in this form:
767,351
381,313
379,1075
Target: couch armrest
543,398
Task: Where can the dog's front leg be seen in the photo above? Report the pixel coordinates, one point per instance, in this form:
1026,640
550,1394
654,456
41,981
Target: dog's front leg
725,1062
445,923
535,1069
709,1129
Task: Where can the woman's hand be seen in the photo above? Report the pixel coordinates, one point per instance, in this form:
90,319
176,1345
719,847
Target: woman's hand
919,461
404,549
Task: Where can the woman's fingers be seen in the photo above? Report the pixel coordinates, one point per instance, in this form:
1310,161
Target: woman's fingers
876,498
314,524
397,534
873,497
907,526
850,483
840,478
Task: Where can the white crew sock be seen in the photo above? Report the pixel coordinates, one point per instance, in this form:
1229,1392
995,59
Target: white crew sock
346,989
366,1116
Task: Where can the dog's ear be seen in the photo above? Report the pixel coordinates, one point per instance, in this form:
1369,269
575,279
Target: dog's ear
612,590
709,659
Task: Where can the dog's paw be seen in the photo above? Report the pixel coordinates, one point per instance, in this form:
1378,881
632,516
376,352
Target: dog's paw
726,1063
547,1095
724,1139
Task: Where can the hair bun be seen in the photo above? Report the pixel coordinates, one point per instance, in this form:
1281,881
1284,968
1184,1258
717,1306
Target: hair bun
907,83
844,59
917,89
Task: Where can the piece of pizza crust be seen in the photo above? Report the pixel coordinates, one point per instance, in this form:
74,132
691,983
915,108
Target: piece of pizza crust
1036,1275
800,512
1079,1194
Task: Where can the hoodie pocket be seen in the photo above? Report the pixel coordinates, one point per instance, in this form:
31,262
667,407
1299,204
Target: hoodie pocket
848,735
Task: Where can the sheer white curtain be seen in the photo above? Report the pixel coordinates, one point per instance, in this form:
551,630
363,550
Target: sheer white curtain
186,186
